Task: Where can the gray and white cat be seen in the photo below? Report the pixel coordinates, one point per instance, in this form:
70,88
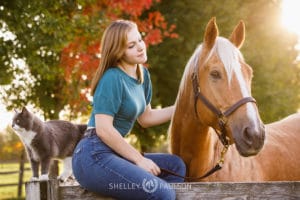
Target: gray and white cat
43,141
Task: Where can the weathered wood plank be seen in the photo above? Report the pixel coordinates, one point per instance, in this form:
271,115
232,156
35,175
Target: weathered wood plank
240,191
207,191
78,193
32,190
53,190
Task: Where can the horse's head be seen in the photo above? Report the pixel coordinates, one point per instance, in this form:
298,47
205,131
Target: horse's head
223,82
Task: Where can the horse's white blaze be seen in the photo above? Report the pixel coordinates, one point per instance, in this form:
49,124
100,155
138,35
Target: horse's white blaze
230,57
251,113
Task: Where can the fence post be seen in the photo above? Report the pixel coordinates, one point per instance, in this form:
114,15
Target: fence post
42,190
21,173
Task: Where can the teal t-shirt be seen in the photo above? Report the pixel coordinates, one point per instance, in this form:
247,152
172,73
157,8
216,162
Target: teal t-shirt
121,96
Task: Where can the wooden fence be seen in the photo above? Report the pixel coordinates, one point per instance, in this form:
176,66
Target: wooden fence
52,190
21,175
53,173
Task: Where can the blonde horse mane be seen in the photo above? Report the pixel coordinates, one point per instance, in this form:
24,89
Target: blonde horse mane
227,52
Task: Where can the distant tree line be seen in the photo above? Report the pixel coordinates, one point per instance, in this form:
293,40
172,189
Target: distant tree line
59,41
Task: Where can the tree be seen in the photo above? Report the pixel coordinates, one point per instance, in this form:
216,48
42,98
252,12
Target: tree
59,42
41,30
268,48
84,50
10,145
63,45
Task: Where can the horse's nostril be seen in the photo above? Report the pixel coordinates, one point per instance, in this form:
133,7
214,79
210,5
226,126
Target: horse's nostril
248,135
254,137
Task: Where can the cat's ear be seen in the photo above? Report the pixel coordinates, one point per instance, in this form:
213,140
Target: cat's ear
24,110
16,111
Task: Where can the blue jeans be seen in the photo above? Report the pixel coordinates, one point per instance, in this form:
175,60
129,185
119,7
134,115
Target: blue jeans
99,169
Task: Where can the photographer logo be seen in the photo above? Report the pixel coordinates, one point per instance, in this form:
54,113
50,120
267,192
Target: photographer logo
150,186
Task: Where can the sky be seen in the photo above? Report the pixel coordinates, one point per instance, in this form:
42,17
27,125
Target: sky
290,15
5,117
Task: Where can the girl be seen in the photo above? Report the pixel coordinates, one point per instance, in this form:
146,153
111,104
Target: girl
103,162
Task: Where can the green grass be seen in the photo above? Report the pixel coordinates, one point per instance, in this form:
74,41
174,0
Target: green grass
11,192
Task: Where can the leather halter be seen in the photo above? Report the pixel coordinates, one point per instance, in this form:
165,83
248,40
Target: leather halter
222,120
222,116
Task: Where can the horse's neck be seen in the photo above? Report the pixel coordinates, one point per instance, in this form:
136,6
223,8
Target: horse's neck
189,136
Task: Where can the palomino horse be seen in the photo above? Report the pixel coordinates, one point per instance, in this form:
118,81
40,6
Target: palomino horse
214,108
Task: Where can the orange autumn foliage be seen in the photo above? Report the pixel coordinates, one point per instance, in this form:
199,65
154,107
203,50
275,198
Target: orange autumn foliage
80,58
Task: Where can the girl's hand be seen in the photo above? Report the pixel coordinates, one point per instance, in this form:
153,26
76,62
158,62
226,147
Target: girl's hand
149,166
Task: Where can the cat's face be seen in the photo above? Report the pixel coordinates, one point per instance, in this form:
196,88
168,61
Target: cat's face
21,120
21,123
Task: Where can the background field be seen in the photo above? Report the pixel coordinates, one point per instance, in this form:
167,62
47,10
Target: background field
11,192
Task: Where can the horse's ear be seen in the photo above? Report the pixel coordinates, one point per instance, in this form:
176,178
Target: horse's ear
238,35
211,33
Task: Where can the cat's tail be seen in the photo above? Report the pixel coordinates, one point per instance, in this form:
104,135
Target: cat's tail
82,128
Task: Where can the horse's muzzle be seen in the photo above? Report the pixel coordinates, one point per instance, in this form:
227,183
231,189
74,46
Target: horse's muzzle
251,140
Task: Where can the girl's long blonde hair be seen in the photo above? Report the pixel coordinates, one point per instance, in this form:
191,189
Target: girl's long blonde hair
113,46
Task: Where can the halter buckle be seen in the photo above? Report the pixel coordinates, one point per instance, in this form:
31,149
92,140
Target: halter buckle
223,120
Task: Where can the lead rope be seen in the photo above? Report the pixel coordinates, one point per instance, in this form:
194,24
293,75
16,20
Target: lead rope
217,167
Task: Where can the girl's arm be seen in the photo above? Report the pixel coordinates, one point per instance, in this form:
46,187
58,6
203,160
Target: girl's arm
111,137
152,117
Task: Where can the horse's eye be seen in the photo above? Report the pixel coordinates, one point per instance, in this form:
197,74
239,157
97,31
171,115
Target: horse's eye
215,74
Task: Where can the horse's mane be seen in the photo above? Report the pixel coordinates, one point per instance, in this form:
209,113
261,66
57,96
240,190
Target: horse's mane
227,52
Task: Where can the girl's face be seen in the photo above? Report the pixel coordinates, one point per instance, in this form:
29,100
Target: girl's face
135,52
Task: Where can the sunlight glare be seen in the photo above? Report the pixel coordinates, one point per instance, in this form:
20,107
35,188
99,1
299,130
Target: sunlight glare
291,15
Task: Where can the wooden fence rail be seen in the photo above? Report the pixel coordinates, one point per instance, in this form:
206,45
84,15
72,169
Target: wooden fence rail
21,171
52,190
14,172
